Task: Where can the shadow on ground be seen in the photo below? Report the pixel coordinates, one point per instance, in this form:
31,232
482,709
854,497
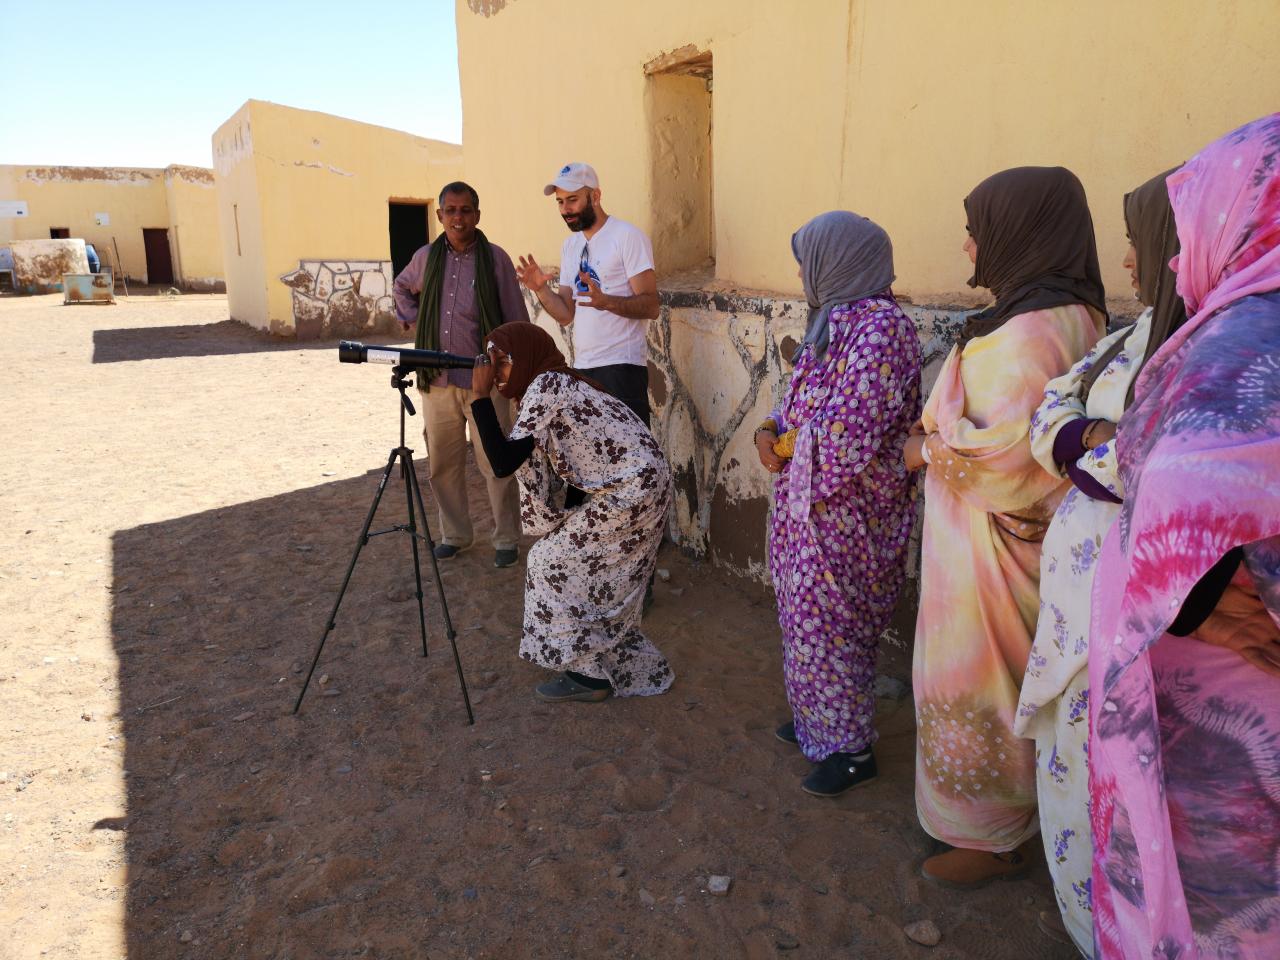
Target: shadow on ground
377,823
202,340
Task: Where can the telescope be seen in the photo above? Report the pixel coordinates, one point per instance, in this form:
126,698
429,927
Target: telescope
351,351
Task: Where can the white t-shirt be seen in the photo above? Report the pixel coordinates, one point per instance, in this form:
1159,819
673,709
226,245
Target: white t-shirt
617,252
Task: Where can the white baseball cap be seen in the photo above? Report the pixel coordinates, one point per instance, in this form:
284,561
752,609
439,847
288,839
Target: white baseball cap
573,176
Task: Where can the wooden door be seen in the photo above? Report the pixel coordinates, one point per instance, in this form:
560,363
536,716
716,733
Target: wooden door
159,262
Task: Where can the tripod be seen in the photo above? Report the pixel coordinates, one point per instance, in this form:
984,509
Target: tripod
413,495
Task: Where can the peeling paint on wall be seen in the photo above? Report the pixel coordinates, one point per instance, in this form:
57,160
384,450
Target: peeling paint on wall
196,176
38,265
341,298
129,175
231,147
322,166
486,8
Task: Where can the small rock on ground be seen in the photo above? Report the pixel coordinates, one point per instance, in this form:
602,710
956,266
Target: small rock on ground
925,932
891,688
647,898
718,886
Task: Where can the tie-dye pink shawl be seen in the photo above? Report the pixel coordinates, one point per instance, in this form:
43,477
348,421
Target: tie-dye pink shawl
1200,459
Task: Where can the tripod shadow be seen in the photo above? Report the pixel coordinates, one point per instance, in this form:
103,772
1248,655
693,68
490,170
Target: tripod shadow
224,338
233,802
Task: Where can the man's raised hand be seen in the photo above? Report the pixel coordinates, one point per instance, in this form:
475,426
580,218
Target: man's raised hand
531,275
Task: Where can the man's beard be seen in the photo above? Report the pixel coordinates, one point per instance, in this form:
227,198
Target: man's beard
586,219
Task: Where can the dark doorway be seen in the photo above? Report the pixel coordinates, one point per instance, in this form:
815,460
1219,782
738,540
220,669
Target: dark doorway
59,233
409,224
159,261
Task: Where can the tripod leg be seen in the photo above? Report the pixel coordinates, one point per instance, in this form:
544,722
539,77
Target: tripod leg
444,606
363,539
406,465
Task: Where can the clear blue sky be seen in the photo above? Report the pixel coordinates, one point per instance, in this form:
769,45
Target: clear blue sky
143,83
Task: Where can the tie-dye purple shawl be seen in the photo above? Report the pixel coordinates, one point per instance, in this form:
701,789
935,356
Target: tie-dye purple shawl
1200,459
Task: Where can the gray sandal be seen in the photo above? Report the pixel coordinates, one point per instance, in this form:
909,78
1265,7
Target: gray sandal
564,689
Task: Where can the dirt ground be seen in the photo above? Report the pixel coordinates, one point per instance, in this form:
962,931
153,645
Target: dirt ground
180,498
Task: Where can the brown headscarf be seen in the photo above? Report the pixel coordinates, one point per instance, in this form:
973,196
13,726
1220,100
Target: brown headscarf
532,352
1036,247
1148,218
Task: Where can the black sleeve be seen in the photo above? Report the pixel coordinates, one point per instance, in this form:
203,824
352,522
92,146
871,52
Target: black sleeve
505,456
1204,596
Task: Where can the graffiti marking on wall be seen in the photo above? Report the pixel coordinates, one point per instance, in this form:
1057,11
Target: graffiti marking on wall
341,298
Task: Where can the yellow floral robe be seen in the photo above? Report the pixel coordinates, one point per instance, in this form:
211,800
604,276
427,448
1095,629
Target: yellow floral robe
987,505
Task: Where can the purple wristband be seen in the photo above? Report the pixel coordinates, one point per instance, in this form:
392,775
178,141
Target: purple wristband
1068,445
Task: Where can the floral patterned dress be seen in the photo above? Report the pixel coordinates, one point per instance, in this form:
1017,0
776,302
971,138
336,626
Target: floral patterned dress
587,574
1054,707
843,512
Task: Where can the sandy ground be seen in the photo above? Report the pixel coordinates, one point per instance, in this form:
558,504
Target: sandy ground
180,499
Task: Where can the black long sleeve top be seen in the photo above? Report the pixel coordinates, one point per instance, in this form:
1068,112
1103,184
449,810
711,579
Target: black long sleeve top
506,455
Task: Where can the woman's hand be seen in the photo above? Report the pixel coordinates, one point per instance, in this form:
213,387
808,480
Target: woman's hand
482,375
1241,623
1098,433
765,439
913,450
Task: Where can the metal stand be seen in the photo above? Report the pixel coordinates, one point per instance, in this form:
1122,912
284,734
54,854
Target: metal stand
413,496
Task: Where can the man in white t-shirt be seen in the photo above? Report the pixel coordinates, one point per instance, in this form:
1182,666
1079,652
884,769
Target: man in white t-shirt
608,289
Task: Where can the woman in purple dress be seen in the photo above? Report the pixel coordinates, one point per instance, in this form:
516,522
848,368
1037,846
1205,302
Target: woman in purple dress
844,502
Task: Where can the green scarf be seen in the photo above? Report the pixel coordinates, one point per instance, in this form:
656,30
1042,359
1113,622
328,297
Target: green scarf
428,337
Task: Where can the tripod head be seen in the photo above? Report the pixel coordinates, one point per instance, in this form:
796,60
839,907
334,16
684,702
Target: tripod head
400,380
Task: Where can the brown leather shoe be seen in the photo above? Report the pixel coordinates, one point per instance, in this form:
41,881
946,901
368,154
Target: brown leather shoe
962,869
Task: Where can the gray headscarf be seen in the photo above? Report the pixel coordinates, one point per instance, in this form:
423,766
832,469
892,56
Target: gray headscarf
843,257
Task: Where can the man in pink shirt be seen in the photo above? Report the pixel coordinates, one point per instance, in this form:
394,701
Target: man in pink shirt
452,293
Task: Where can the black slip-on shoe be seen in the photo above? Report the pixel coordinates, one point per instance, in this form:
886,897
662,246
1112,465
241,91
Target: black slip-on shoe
447,551
505,558
787,733
565,689
838,773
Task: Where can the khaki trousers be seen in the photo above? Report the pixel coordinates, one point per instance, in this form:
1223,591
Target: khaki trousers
446,414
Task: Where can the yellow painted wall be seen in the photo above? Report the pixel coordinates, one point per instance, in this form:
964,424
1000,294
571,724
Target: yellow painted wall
193,227
894,109
312,186
132,197
235,178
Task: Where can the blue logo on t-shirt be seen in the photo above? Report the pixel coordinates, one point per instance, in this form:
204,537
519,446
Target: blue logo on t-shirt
584,266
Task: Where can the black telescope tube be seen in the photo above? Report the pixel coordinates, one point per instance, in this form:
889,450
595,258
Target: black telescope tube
351,351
